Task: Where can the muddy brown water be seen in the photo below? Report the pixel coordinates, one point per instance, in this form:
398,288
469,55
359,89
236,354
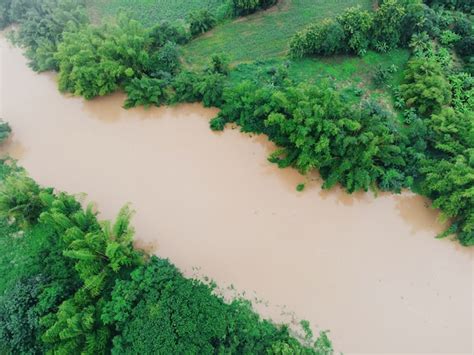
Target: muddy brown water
365,267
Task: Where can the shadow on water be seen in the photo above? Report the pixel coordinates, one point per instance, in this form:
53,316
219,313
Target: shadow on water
12,148
416,211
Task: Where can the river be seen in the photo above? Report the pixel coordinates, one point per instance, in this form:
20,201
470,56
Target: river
367,268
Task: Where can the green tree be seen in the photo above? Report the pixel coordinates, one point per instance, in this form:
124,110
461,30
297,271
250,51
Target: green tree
5,131
20,199
387,27
357,25
425,88
201,21
97,61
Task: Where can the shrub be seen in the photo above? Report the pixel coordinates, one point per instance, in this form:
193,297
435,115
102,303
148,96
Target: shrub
450,183
218,64
245,7
357,25
325,38
449,38
316,129
169,32
463,5
159,311
465,47
184,86
20,318
19,199
419,18
382,74
97,61
5,131
425,88
387,27
165,60
145,91
42,24
209,89
200,21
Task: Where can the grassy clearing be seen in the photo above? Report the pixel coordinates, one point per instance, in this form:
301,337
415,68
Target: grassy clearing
353,75
265,34
150,12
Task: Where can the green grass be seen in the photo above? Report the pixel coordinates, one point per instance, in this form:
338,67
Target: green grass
150,12
351,75
342,70
265,34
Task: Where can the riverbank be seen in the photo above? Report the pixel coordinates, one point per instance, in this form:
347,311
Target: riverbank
212,201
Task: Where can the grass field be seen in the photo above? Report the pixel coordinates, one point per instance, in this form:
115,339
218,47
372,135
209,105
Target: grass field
350,74
265,34
150,12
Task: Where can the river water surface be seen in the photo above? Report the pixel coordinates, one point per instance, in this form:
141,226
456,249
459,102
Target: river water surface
367,268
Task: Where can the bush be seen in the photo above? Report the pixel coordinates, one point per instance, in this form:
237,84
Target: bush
159,311
165,60
200,21
5,131
97,61
20,318
357,25
169,32
463,5
387,27
20,200
425,88
209,89
419,18
41,27
325,38
245,7
145,91
449,38
465,47
316,129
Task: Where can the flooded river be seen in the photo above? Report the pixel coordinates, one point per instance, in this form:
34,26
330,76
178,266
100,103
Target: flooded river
366,268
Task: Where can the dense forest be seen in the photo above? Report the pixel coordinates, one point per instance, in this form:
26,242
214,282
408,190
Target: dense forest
75,284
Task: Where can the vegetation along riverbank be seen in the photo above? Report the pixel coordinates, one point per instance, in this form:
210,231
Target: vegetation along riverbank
373,95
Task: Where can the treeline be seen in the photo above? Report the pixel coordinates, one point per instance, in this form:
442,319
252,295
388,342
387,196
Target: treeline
118,54
430,151
391,26
73,284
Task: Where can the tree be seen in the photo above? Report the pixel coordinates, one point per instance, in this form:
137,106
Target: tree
245,7
324,38
387,27
450,183
100,253
97,61
41,27
357,25
200,21
145,91
19,317
20,199
5,131
425,88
